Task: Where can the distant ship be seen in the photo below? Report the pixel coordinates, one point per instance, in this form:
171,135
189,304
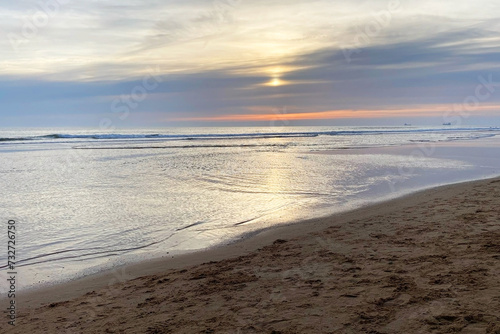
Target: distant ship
447,123
407,124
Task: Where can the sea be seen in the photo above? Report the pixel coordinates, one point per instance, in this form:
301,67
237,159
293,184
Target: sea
87,200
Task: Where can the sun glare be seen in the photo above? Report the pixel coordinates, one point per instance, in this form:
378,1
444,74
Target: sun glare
275,82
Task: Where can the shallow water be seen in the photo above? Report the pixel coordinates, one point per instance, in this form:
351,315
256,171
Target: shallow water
85,200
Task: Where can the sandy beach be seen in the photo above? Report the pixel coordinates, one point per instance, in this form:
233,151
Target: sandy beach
424,263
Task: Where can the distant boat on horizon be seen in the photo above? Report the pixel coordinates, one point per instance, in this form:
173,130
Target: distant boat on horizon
447,123
407,124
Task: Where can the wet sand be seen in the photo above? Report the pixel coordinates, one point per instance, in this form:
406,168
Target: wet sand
424,263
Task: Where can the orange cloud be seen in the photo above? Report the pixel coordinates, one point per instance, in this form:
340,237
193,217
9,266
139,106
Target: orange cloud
432,110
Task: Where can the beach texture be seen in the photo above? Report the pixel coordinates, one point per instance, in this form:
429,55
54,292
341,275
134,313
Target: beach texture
424,263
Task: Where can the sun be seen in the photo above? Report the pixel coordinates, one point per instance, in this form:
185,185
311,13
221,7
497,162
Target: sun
275,82
275,75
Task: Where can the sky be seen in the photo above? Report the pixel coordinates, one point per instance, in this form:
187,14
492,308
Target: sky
150,63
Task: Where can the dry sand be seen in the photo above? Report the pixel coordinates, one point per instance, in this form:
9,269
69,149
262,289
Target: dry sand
424,263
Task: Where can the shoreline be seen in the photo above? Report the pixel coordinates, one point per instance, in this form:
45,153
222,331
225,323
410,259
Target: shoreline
247,243
427,261
182,259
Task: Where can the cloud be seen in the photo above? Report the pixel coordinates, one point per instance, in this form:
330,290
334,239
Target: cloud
225,58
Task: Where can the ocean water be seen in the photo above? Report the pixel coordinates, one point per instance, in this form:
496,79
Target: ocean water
85,200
